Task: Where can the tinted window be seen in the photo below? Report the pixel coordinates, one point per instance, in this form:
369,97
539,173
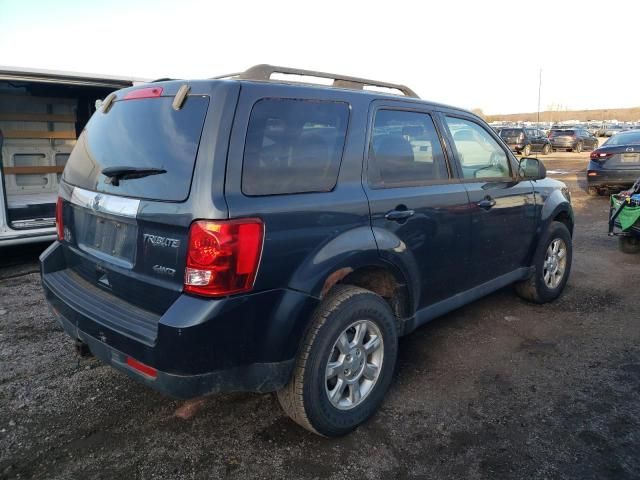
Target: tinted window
144,133
293,146
479,154
510,132
405,150
563,132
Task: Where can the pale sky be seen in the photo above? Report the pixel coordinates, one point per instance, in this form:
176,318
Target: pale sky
472,54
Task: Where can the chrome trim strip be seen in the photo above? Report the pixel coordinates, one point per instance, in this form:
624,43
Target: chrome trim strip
105,203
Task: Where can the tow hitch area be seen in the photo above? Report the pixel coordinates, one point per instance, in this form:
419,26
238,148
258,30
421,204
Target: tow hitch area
82,349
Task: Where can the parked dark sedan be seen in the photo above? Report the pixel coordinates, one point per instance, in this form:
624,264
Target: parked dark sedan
616,164
573,139
526,140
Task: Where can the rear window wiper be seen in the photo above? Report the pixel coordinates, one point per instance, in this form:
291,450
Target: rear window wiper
116,174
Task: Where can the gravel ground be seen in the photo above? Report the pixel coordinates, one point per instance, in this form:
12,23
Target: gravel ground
498,389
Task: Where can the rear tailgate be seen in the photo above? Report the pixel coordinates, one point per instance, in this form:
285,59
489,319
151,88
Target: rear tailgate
127,235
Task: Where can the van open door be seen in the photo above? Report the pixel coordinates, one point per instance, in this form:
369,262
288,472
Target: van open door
42,113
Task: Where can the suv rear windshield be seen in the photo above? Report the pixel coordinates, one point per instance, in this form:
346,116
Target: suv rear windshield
563,132
510,132
141,133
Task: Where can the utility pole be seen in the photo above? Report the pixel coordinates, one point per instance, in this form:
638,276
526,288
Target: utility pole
539,88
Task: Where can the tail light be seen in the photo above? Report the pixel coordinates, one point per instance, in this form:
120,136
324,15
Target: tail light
223,256
599,156
149,92
59,219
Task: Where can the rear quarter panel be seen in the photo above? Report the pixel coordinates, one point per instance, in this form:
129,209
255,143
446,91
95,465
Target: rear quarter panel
309,235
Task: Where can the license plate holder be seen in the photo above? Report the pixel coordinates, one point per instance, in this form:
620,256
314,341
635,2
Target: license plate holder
630,158
105,235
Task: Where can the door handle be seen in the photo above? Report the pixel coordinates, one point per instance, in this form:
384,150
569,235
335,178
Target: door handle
399,215
486,203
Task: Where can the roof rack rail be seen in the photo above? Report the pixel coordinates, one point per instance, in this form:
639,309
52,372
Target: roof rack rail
264,72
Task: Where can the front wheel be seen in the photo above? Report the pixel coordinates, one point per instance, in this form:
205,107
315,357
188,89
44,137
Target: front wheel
345,365
546,150
526,150
578,148
551,266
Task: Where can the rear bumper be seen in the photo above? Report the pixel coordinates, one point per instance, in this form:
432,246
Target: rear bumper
198,346
599,177
563,144
256,377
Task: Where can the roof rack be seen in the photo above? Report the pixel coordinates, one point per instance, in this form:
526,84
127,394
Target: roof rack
263,72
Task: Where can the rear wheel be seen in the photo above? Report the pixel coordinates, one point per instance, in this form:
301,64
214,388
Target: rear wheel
546,150
578,147
551,265
345,365
526,150
629,244
593,191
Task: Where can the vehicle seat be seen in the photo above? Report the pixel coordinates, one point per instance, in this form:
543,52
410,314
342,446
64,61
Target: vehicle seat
394,157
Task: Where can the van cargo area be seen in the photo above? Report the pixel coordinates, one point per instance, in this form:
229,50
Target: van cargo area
41,116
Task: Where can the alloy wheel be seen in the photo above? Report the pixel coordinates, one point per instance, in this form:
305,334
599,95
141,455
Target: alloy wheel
555,263
354,364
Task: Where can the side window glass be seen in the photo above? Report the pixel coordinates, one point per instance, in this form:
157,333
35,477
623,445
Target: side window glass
293,146
405,150
480,155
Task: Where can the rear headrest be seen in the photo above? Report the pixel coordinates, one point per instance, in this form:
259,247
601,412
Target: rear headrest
393,148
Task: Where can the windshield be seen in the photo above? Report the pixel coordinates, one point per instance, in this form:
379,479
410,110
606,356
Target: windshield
562,132
140,134
625,138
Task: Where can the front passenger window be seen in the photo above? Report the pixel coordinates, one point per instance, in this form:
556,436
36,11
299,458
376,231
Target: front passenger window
480,155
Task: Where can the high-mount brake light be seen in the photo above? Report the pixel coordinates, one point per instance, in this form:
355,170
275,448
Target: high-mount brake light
149,92
223,256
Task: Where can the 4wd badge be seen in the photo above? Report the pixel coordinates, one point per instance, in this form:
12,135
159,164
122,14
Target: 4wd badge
161,270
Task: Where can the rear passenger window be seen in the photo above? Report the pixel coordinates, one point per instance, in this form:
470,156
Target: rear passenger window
405,150
293,146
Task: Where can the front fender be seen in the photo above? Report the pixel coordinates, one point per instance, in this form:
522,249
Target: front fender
554,203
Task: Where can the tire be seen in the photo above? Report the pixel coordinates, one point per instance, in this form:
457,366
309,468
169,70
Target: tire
629,244
535,288
593,191
526,150
578,147
306,397
546,150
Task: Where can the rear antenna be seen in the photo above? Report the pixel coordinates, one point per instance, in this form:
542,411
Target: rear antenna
180,97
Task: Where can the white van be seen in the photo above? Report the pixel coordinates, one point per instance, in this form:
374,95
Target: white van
41,115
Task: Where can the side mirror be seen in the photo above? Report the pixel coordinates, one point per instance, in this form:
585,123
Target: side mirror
531,169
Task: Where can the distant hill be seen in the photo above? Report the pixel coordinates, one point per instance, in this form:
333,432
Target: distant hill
621,114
